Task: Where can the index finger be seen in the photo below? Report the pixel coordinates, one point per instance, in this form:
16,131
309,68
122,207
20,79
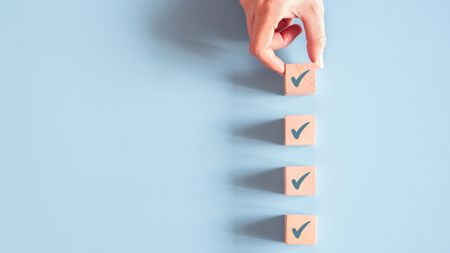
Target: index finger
315,33
263,30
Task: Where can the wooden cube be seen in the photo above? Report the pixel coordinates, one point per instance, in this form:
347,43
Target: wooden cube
300,181
300,79
299,130
300,229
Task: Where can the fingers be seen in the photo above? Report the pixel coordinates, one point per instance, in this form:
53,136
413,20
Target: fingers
284,38
283,24
250,18
249,15
260,43
314,23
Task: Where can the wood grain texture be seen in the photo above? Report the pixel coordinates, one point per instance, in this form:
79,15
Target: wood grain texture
301,186
296,221
308,133
307,85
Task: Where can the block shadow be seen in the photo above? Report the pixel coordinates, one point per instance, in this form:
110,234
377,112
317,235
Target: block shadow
268,181
269,228
201,30
271,131
259,79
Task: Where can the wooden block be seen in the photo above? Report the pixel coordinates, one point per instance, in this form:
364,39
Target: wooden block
299,130
300,181
300,79
300,229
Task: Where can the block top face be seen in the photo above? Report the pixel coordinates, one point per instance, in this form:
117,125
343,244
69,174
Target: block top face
300,79
300,180
299,130
300,229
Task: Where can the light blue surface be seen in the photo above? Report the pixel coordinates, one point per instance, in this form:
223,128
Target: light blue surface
145,126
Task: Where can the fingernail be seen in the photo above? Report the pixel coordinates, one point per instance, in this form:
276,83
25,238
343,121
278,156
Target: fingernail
320,62
280,68
281,73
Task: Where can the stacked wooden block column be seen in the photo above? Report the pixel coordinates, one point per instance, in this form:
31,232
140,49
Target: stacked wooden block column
300,130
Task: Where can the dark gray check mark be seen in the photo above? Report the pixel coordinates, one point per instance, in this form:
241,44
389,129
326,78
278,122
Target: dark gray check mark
296,133
296,81
300,180
298,232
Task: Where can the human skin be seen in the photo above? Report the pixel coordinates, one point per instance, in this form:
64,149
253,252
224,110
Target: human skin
269,26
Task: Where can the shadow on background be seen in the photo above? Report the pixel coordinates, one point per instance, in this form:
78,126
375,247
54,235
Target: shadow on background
271,131
200,24
270,228
259,79
201,31
269,180
203,28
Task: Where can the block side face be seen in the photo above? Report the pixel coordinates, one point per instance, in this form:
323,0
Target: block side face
285,229
300,181
300,130
300,79
285,179
286,78
286,130
301,229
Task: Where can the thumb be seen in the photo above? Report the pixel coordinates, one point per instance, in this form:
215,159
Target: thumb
315,33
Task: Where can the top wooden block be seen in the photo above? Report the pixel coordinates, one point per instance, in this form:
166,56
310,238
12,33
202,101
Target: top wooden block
300,79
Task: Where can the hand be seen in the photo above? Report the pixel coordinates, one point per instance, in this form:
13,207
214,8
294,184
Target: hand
269,25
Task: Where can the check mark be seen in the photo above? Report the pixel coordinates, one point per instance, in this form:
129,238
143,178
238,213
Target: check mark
297,183
296,81
296,133
298,232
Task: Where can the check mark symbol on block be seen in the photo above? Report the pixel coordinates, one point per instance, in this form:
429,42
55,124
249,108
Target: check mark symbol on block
296,81
298,232
298,182
296,133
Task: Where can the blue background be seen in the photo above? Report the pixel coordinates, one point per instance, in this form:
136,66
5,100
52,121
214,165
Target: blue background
145,126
